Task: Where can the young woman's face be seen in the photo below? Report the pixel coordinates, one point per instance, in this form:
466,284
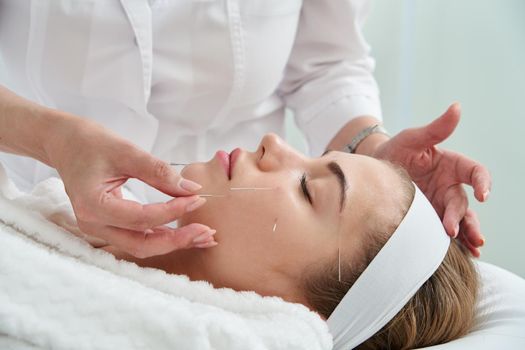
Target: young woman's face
267,237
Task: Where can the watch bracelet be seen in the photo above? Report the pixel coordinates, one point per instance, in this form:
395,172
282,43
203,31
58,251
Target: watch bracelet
363,134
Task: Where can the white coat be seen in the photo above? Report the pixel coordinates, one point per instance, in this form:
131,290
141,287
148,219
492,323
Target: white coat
184,78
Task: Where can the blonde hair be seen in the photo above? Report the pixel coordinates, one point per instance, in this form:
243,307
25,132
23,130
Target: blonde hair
440,311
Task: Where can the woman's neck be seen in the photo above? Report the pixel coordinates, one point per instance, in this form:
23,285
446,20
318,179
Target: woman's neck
180,262
192,263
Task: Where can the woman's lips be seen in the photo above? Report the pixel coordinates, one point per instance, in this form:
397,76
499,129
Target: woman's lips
224,159
234,155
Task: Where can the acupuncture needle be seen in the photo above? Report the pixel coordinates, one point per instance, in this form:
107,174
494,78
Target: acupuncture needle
339,251
231,189
238,189
339,263
250,188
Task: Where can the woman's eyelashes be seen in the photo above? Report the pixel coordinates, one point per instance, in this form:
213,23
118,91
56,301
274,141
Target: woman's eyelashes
304,188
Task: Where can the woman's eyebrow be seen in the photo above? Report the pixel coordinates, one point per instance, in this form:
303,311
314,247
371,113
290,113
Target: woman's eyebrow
341,179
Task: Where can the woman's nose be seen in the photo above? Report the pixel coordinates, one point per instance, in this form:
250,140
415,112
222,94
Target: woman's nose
275,153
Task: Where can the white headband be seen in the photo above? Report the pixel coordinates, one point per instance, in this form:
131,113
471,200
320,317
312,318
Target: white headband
411,255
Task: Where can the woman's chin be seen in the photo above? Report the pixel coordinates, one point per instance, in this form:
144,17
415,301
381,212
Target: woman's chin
194,217
191,171
203,173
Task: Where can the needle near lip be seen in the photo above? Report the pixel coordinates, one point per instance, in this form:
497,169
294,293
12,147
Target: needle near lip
237,189
250,188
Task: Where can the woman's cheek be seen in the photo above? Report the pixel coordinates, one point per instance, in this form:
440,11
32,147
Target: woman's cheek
267,216
228,214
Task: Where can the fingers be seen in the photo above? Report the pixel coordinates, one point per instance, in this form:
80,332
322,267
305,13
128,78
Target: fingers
461,222
131,215
158,241
456,204
437,131
473,173
473,250
470,229
470,235
117,192
159,174
205,240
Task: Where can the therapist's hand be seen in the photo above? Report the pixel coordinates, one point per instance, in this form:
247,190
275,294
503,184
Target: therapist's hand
93,162
440,174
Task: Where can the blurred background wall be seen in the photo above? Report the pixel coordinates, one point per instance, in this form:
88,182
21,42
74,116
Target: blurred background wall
430,53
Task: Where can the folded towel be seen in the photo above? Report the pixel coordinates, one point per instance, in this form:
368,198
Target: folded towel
56,291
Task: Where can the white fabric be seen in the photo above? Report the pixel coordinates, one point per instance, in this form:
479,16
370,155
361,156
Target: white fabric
500,313
49,307
57,292
411,255
182,79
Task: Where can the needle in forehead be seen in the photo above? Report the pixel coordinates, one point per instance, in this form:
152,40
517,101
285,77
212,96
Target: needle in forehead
339,249
339,261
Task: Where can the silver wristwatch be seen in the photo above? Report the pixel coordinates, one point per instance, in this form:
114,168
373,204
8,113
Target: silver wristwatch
363,134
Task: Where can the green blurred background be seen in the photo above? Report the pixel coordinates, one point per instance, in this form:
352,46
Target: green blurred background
430,53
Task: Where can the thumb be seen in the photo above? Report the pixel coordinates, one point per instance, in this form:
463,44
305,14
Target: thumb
438,130
160,175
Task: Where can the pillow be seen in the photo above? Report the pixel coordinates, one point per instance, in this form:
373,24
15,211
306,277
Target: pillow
500,320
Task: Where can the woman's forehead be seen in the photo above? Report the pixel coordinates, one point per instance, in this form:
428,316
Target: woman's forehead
371,194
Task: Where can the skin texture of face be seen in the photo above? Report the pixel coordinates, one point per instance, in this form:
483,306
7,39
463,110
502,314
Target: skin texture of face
250,254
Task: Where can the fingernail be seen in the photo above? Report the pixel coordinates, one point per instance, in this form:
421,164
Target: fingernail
486,195
195,204
148,231
482,241
189,185
203,237
456,230
207,245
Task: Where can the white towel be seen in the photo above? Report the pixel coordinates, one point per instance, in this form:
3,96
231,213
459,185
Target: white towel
58,292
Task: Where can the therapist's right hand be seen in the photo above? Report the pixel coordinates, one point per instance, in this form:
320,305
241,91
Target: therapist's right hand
93,163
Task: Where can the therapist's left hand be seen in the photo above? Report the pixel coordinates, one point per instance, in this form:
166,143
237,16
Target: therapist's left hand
440,174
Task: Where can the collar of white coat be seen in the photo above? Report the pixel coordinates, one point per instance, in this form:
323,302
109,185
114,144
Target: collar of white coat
139,15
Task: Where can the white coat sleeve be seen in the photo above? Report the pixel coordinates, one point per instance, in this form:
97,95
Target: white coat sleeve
329,76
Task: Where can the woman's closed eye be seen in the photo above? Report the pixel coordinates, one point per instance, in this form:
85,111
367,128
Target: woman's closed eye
304,188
